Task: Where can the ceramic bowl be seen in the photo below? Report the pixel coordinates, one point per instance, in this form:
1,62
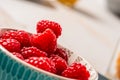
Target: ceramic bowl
12,68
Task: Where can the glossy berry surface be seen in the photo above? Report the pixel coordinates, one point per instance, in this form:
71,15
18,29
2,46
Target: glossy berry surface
42,63
76,71
20,35
18,55
62,53
11,45
45,41
60,63
44,24
32,52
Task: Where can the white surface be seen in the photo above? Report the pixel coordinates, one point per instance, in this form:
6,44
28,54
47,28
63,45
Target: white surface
92,38
112,69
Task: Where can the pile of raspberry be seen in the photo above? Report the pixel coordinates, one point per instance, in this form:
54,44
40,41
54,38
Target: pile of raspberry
41,50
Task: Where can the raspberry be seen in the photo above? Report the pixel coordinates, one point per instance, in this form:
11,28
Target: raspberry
44,24
18,55
45,41
42,63
62,53
60,64
32,52
21,36
76,71
11,45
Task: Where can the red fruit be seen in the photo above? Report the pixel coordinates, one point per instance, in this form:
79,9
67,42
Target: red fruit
45,41
11,45
76,71
32,52
62,53
21,36
18,55
44,24
42,63
60,63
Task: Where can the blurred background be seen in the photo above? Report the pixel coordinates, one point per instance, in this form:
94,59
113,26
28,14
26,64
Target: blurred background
91,28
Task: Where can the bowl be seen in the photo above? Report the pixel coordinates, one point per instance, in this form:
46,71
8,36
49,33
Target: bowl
12,68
